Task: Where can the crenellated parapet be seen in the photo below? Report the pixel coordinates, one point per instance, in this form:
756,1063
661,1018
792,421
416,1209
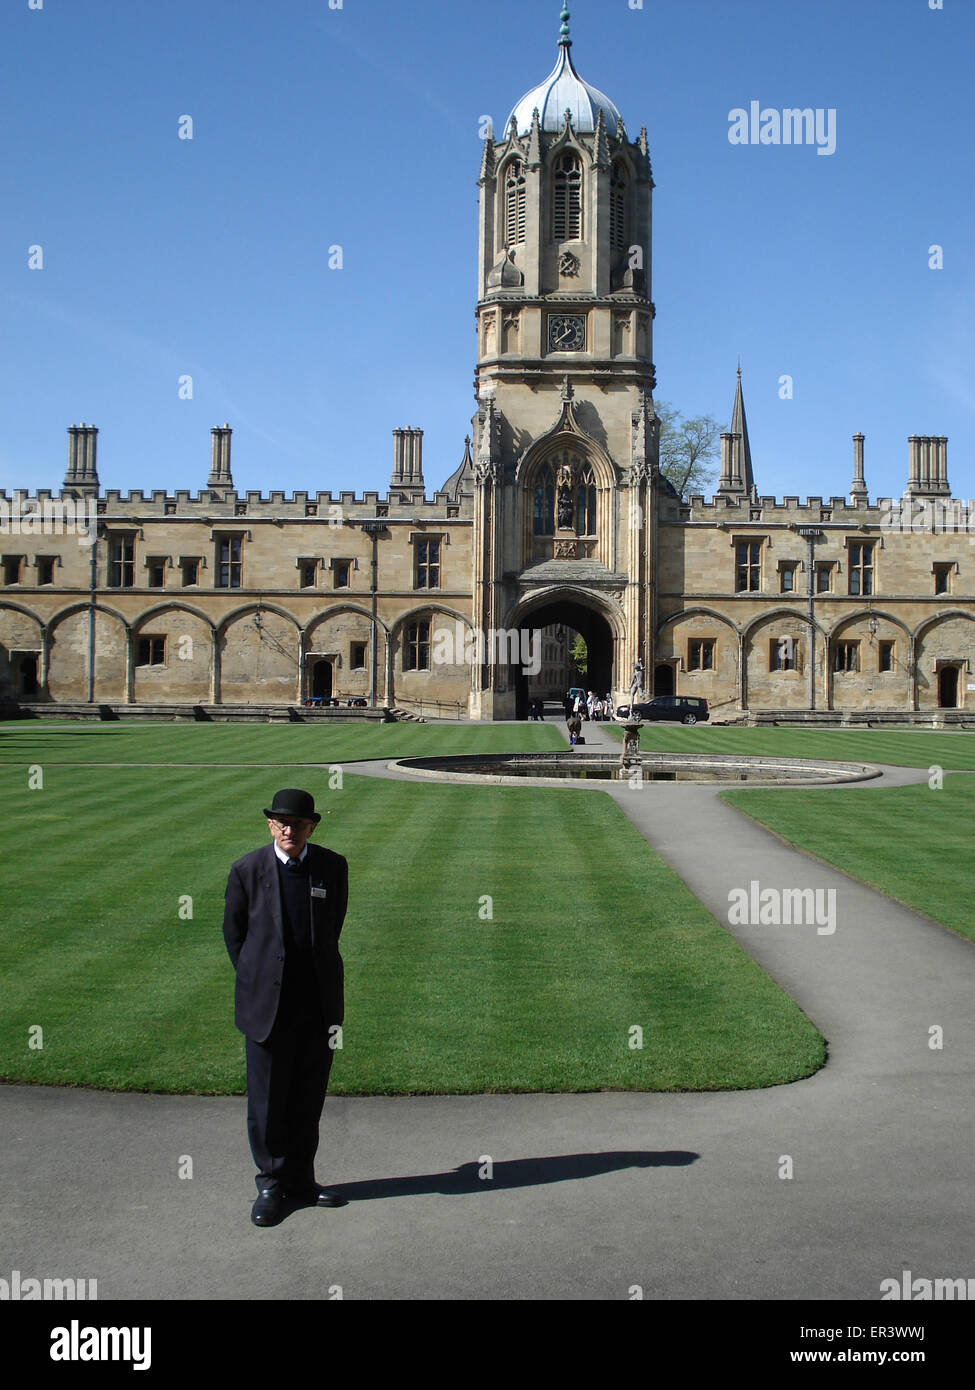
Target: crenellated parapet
903,513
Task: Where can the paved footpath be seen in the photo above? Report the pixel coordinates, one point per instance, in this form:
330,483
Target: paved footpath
592,1195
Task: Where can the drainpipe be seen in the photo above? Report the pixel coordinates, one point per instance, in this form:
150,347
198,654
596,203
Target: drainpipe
373,529
92,601
812,534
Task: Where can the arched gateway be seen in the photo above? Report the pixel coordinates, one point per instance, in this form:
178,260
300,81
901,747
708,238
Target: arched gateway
599,627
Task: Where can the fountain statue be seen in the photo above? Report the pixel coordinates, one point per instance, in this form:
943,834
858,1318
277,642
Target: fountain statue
632,724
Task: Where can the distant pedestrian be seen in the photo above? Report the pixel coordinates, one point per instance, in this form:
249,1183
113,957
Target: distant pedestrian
575,728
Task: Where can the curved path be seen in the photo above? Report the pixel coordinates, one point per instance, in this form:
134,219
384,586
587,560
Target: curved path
684,1196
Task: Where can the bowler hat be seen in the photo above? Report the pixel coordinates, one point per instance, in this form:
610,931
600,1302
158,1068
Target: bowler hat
292,802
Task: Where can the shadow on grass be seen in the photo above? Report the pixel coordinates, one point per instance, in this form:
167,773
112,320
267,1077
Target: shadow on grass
518,1172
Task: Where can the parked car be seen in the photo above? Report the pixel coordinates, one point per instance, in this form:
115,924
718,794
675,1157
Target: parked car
678,709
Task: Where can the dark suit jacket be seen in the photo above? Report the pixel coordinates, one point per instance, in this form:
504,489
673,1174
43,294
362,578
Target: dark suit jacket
254,933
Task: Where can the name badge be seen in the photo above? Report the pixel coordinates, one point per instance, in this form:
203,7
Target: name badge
319,892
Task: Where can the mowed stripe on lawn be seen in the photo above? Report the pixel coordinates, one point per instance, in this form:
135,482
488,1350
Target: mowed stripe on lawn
914,843
590,936
902,748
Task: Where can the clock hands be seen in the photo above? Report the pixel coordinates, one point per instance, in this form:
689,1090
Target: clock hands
566,335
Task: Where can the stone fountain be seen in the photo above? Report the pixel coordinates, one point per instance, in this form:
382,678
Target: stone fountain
632,724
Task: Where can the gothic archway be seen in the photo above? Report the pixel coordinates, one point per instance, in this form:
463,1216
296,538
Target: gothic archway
596,631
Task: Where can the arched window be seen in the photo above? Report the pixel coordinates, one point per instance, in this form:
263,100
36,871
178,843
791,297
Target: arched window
544,514
586,504
617,207
514,203
567,199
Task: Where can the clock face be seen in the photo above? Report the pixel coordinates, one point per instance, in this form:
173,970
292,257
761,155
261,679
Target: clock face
566,332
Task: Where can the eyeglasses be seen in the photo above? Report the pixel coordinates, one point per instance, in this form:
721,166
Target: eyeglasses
289,824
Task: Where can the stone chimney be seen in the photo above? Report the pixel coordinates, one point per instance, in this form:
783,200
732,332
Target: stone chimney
927,472
220,475
408,460
82,474
858,488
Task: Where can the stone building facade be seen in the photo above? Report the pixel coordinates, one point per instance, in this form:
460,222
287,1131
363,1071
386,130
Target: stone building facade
556,520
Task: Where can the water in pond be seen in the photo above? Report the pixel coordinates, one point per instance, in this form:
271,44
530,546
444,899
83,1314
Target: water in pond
572,768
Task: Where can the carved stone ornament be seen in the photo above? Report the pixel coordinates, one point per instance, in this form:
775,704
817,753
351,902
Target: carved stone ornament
566,550
504,274
569,264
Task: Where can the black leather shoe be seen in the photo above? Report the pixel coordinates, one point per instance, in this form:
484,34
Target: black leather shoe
266,1211
315,1196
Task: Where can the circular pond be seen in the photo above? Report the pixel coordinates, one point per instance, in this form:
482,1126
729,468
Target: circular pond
556,769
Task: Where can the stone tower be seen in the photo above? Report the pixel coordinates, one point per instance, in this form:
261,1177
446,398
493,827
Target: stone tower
565,433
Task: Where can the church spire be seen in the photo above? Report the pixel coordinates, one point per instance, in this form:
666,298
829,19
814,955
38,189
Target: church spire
736,478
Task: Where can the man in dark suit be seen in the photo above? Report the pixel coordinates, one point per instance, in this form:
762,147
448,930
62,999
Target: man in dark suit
285,906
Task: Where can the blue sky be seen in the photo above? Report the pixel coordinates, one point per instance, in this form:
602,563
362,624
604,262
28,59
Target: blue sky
358,126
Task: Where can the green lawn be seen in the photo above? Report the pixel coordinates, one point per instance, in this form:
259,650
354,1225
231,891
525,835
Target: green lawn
590,934
914,843
902,747
67,741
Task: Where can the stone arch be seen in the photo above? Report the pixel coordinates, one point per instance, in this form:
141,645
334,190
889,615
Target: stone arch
259,656
779,651
341,637
21,636
944,641
719,684
698,609
258,606
945,615
864,615
83,606
186,674
593,485
600,621
870,685
445,678
174,605
68,654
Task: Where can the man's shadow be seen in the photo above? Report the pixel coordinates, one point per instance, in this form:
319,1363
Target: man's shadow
516,1172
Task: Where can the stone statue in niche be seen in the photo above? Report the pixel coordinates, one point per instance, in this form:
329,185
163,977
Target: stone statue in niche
564,487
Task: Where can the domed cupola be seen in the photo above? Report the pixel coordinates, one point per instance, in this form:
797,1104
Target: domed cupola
564,90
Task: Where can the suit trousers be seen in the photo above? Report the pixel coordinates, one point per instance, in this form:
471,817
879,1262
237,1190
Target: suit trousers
287,1077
